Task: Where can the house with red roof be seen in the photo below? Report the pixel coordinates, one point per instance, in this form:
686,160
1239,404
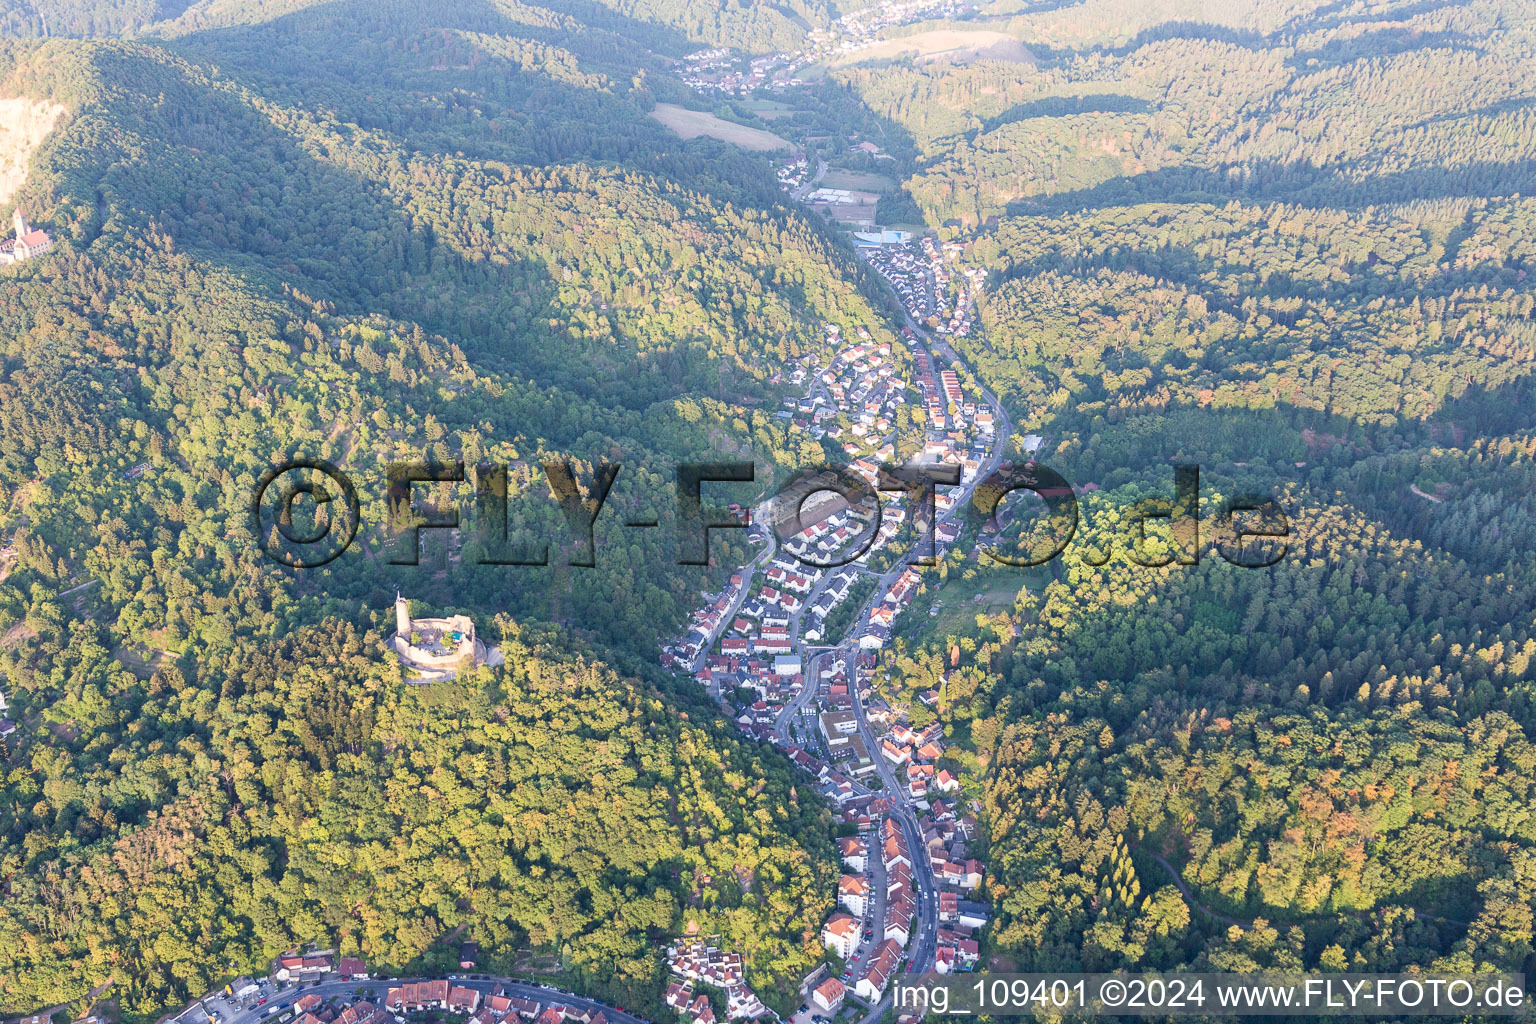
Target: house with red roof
841,934
828,996
882,965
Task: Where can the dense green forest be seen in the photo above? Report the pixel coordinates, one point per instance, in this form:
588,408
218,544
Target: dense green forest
294,789
367,233
1289,241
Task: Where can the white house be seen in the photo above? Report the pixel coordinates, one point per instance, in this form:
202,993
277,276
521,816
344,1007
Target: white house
828,996
853,893
841,934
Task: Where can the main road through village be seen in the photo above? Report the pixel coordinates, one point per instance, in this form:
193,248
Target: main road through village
925,937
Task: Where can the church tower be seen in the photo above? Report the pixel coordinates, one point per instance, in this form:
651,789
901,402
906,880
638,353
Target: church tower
19,219
402,616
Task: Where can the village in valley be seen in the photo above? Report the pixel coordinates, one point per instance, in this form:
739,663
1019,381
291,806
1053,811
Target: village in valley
723,70
792,646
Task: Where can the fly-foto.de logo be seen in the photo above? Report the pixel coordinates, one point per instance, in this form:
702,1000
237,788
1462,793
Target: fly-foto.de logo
305,513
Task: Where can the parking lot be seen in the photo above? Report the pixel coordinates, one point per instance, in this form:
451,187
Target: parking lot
221,1007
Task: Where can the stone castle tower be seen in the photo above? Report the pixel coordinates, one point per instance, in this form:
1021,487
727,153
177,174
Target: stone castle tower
402,616
19,220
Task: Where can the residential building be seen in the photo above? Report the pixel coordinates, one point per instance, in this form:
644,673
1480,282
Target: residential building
971,914
882,966
855,853
828,996
853,893
838,723
841,934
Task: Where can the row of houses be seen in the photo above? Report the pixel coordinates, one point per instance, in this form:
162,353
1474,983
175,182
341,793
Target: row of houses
707,624
959,921
722,70
696,961
867,395
773,680
956,319
857,900
945,835
950,409
296,966
898,596
909,274
416,996
310,1010
499,1007
900,891
834,593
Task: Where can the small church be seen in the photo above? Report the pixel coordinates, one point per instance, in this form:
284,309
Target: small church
28,242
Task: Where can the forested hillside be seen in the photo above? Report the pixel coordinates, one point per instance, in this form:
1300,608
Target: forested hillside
657,24
1292,246
367,232
291,789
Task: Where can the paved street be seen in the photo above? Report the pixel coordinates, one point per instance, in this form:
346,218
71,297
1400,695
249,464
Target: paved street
925,938
376,990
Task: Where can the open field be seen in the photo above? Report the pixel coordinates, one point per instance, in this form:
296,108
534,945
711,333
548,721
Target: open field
856,181
690,124
769,110
944,44
991,589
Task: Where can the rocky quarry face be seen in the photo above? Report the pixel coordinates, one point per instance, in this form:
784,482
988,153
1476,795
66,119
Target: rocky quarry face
24,124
